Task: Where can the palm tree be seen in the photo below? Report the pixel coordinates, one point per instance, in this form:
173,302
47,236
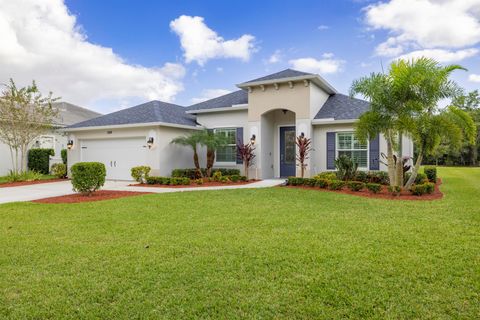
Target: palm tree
192,140
212,141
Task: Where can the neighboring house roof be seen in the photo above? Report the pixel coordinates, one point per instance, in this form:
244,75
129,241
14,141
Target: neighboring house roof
227,100
287,73
342,107
69,114
150,112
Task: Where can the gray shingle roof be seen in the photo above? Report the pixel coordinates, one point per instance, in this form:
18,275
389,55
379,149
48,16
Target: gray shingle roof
341,107
69,114
153,111
227,100
287,73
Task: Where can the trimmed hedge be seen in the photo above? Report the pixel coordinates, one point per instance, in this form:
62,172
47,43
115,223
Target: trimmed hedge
336,184
191,172
175,181
431,173
63,153
322,183
421,189
355,185
39,160
329,175
59,170
140,173
374,187
88,177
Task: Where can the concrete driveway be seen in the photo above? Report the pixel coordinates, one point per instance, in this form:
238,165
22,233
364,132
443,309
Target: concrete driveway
55,189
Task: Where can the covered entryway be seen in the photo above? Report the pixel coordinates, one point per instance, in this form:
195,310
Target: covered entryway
287,151
118,155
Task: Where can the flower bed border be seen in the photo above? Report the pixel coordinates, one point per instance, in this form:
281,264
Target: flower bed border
194,185
96,196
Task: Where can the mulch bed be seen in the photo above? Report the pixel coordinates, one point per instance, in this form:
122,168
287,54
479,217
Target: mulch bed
384,194
194,185
96,196
26,183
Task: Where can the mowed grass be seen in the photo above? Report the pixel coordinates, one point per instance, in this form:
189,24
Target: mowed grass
269,253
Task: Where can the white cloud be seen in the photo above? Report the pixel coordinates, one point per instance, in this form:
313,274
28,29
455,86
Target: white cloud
441,55
474,77
276,57
327,65
219,69
425,24
209,94
200,43
42,41
323,27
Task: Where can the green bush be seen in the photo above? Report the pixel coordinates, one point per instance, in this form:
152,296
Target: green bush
355,185
224,179
59,170
154,180
380,177
140,173
88,177
309,182
394,190
347,168
180,181
198,181
243,178
431,173
430,187
329,175
191,172
294,181
421,178
361,176
322,183
235,178
336,184
374,187
39,160
63,153
419,189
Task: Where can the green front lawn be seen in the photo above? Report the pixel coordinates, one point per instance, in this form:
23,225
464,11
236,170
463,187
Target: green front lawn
269,253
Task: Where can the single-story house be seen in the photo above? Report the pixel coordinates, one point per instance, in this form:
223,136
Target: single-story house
271,111
56,139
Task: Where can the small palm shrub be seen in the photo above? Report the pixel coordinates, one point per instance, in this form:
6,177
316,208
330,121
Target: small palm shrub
140,173
374,187
321,183
431,173
355,185
88,177
336,184
59,170
346,168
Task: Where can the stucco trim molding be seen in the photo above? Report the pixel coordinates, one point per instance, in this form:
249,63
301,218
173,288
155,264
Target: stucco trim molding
332,121
234,107
132,125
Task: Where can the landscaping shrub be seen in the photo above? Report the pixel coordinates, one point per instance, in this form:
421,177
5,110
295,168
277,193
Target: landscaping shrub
430,187
322,183
329,175
418,189
140,173
294,181
347,168
154,180
243,178
374,187
355,185
235,178
336,184
179,181
199,181
421,178
88,177
361,176
39,160
431,173
309,182
59,170
23,176
63,153
191,172
224,179
217,175
378,177
394,190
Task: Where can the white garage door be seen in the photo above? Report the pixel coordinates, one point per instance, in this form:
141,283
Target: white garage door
118,155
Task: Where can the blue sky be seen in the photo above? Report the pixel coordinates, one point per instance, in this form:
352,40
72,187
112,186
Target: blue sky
109,55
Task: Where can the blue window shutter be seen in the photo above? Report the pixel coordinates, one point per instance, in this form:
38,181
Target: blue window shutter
239,141
374,151
331,145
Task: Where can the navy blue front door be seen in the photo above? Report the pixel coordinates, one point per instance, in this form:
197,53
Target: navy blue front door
287,151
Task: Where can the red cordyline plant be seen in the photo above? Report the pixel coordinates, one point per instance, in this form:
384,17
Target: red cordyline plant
304,146
245,152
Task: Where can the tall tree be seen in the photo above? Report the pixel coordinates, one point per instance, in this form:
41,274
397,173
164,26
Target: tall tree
212,141
192,140
24,115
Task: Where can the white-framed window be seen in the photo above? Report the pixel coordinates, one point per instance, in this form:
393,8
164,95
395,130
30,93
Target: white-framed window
349,145
227,153
45,142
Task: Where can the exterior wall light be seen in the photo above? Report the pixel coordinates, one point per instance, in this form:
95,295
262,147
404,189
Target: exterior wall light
70,144
302,135
252,139
150,142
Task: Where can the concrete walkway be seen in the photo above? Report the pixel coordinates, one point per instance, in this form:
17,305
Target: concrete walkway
55,189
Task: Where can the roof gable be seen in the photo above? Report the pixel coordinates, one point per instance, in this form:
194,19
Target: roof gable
227,100
69,114
287,73
342,107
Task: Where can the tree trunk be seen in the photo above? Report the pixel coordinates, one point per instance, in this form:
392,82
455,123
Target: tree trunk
390,162
399,164
416,167
245,168
197,163
210,161
24,158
